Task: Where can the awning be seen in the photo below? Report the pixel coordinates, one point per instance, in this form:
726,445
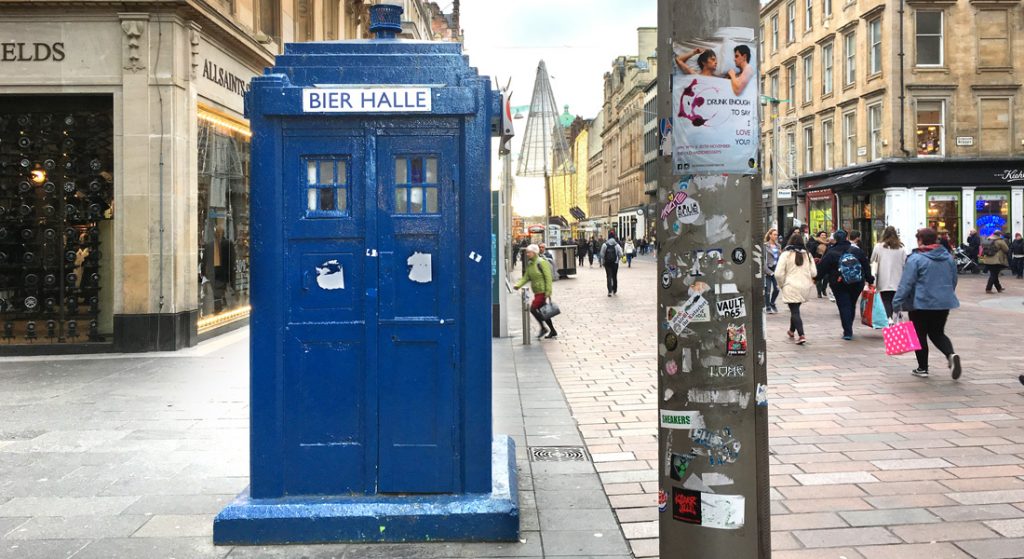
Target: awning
847,179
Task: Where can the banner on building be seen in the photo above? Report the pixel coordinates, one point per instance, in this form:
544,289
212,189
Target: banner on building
714,110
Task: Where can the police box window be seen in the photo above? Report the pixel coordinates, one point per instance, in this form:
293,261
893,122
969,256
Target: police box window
326,187
416,185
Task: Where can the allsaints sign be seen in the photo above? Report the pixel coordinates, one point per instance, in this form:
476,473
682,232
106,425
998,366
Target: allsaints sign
225,79
366,100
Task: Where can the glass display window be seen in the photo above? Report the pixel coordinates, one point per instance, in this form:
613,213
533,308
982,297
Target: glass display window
991,211
944,213
819,215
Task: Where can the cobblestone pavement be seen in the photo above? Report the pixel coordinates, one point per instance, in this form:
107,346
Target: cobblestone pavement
867,461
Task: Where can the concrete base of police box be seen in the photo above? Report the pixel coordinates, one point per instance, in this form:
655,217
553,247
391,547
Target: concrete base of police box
381,518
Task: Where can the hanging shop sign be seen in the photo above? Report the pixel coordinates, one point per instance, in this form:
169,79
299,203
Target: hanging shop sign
366,100
714,103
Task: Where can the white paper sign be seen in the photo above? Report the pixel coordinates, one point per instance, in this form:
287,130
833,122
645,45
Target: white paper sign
419,267
366,100
722,511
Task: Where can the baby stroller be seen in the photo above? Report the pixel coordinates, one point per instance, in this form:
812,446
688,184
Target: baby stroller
964,262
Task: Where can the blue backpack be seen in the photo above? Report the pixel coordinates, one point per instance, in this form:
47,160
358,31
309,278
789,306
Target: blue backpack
849,268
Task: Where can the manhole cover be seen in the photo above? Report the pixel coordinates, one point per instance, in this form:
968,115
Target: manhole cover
558,454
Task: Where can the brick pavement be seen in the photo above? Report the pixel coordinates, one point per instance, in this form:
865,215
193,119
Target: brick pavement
867,461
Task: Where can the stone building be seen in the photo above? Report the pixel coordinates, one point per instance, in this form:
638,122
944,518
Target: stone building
892,112
125,154
597,179
567,187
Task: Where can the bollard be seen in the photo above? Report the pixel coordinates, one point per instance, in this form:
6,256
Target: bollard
526,319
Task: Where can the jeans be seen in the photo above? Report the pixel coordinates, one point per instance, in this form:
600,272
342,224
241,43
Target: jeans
931,325
796,324
846,300
822,285
611,272
629,260
887,297
993,277
590,256
1017,266
771,291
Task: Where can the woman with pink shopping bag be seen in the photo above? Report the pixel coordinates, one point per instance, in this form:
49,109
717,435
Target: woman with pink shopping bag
927,289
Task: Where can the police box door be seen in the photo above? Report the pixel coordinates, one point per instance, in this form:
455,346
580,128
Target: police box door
417,313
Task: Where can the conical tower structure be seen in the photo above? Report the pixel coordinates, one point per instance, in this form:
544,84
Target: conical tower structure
545,150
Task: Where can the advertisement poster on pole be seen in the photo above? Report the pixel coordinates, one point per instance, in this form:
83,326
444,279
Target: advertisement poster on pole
714,110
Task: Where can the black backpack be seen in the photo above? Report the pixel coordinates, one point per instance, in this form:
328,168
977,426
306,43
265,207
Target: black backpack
610,254
988,248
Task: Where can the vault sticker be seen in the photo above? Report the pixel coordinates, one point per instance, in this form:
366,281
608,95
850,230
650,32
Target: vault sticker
686,505
731,308
714,102
681,419
330,275
419,267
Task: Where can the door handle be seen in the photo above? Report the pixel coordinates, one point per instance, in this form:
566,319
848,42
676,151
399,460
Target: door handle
305,281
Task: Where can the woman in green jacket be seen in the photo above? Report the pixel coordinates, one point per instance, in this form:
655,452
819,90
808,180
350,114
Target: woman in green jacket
538,273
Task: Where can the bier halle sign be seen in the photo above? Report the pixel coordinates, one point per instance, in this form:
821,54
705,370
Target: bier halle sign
366,100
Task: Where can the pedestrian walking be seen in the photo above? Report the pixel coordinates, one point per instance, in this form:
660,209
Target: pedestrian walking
581,250
888,261
817,246
611,252
974,246
595,248
847,269
770,254
1017,256
630,251
537,273
994,253
928,291
795,275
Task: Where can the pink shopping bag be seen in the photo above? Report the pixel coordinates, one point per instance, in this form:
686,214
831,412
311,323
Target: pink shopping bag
900,338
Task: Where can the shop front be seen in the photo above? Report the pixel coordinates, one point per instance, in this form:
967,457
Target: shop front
123,180
820,211
631,223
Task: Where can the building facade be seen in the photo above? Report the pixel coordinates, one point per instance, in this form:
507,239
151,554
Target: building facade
124,154
568,190
596,177
892,112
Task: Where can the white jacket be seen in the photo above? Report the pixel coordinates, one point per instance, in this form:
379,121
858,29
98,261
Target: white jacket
795,282
890,263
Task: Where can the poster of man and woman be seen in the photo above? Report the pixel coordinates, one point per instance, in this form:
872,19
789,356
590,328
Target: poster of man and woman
715,102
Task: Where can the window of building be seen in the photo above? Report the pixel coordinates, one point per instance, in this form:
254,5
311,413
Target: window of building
268,19
760,50
791,85
850,138
775,33
996,123
827,60
929,38
991,212
808,77
809,15
828,140
790,153
875,131
875,46
326,187
331,20
826,9
416,185
993,39
849,58
931,139
775,85
791,22
808,165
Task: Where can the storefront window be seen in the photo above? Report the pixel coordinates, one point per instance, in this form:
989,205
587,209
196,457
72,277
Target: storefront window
991,212
877,218
820,215
223,219
944,213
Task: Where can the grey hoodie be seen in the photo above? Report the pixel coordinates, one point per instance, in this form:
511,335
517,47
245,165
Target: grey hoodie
612,245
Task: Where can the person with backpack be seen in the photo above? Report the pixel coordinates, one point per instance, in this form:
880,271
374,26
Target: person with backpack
611,252
795,274
537,273
847,268
928,290
994,256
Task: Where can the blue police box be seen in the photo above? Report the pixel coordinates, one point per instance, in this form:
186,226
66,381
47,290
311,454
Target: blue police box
370,328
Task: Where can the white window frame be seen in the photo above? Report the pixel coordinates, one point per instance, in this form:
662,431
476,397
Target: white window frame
808,162
791,22
760,51
850,58
791,85
828,61
850,138
875,46
828,142
942,39
826,10
808,78
774,81
792,156
875,130
775,32
809,15
941,125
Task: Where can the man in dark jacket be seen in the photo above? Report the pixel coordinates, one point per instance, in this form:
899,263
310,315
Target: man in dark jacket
974,245
611,252
595,247
1017,256
847,268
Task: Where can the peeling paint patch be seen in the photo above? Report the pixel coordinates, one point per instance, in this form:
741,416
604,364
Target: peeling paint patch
419,267
330,275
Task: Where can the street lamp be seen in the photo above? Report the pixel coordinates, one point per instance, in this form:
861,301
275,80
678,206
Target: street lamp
765,100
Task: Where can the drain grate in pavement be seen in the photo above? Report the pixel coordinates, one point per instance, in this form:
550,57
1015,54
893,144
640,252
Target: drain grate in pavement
558,454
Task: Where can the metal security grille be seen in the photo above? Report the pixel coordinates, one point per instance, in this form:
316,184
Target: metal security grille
558,454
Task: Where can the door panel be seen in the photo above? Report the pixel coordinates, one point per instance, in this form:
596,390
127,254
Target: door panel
417,314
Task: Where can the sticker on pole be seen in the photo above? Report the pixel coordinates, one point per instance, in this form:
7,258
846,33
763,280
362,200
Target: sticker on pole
714,103
681,419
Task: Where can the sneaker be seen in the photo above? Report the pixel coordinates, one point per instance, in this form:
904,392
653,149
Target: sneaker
954,365
609,294
1021,379
848,337
832,298
919,372
552,335
542,333
790,333
801,340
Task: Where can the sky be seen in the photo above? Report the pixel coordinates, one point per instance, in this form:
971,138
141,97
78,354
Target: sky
577,39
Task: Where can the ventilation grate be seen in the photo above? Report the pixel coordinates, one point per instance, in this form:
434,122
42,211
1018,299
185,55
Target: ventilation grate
558,454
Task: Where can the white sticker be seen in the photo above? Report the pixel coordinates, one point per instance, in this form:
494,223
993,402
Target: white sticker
371,252
714,479
761,395
722,511
731,308
475,257
330,275
694,483
419,270
715,396
688,211
681,419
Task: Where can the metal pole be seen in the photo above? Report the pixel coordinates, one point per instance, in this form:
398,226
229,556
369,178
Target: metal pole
712,396
526,319
776,130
